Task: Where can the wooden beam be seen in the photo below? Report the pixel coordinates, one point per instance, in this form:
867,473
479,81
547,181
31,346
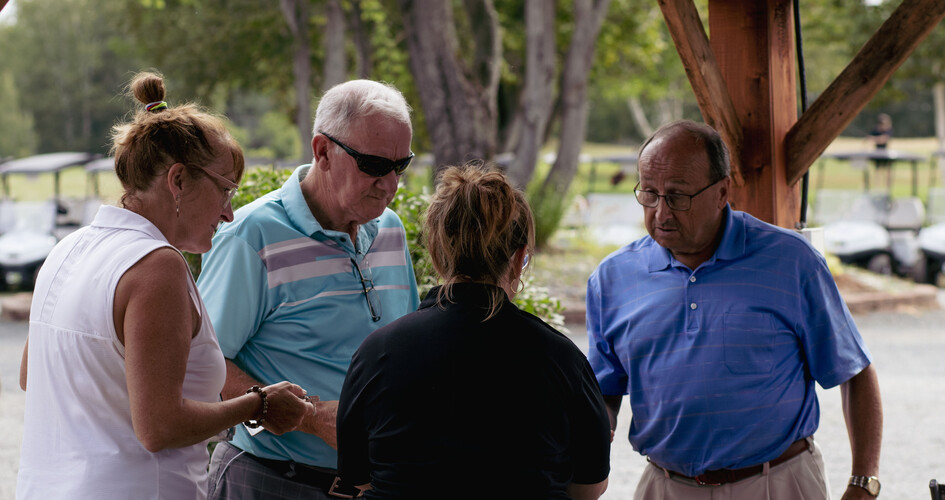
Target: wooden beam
852,90
705,77
753,41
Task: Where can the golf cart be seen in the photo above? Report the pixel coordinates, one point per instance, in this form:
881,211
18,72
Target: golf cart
32,228
932,237
93,190
875,230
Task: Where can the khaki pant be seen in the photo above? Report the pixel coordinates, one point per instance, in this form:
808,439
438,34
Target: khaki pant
800,478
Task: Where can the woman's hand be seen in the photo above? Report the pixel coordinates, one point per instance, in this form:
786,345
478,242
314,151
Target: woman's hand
287,407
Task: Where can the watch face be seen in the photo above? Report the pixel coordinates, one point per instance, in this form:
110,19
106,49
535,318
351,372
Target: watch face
872,486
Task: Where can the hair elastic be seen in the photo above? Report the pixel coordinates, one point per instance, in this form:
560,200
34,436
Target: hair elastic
155,106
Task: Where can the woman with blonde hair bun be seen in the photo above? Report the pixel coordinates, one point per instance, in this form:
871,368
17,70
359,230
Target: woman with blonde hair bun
124,369
469,396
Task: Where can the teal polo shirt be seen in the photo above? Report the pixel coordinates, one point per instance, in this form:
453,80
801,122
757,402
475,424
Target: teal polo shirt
287,302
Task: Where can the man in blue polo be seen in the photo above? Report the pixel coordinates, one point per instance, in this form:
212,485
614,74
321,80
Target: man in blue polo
717,325
300,277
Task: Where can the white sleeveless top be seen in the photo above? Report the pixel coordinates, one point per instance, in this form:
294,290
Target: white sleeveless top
78,439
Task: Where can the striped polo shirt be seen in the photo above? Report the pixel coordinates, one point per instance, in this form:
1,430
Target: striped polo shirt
285,297
720,362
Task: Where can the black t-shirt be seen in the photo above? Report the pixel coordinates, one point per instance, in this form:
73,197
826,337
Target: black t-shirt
441,404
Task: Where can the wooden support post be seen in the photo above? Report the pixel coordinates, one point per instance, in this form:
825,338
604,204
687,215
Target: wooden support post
707,82
753,42
866,74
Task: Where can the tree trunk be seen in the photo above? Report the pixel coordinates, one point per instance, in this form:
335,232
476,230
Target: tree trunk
336,67
296,16
537,99
639,116
459,102
362,42
588,17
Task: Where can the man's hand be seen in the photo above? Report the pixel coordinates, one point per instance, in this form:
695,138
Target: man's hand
287,407
323,423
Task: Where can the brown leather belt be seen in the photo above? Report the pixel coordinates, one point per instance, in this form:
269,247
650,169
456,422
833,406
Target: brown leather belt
725,476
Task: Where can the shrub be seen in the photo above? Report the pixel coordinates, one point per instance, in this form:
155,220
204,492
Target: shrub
548,208
410,206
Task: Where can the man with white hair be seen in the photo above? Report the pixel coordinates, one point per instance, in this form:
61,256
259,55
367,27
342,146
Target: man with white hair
300,277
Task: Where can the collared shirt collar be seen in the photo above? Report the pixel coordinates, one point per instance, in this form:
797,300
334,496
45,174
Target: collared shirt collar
122,218
301,216
731,246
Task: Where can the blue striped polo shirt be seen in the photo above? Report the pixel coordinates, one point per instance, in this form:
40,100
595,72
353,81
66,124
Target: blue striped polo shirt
720,362
286,301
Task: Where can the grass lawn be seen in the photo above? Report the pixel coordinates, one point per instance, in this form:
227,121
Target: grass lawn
591,177
565,266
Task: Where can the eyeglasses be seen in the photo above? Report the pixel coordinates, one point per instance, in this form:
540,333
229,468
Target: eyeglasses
367,284
525,262
675,201
375,166
231,187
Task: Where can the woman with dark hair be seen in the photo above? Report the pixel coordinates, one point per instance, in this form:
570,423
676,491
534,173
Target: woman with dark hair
469,396
124,370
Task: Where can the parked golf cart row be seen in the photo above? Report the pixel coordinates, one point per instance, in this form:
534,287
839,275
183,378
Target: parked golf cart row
873,229
30,229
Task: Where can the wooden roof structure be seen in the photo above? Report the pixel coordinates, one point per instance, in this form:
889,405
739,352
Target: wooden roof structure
744,81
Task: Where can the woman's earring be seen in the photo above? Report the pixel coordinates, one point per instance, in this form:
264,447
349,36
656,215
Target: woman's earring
520,287
178,204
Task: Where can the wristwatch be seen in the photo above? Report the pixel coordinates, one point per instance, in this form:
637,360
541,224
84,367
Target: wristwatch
868,483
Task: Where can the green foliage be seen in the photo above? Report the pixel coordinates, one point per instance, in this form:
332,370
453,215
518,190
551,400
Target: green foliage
548,209
18,138
67,75
538,300
410,206
278,134
257,182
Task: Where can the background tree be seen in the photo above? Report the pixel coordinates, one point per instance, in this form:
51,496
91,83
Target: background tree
588,17
65,63
18,138
637,82
457,78
297,18
537,97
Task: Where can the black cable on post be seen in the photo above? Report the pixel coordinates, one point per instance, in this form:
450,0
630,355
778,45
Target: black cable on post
802,73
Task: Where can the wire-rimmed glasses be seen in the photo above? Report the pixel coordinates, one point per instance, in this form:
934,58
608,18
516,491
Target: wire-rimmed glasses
675,201
231,187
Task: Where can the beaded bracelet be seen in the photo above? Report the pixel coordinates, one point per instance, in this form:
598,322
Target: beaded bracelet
254,423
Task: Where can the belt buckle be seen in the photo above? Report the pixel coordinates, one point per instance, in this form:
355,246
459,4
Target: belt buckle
334,493
701,481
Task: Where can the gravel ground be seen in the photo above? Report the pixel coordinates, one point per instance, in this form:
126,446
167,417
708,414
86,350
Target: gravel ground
908,348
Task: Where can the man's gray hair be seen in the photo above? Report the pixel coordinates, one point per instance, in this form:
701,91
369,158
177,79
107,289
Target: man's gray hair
703,136
351,100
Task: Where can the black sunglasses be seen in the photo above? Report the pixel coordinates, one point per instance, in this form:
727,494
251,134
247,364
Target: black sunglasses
376,166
